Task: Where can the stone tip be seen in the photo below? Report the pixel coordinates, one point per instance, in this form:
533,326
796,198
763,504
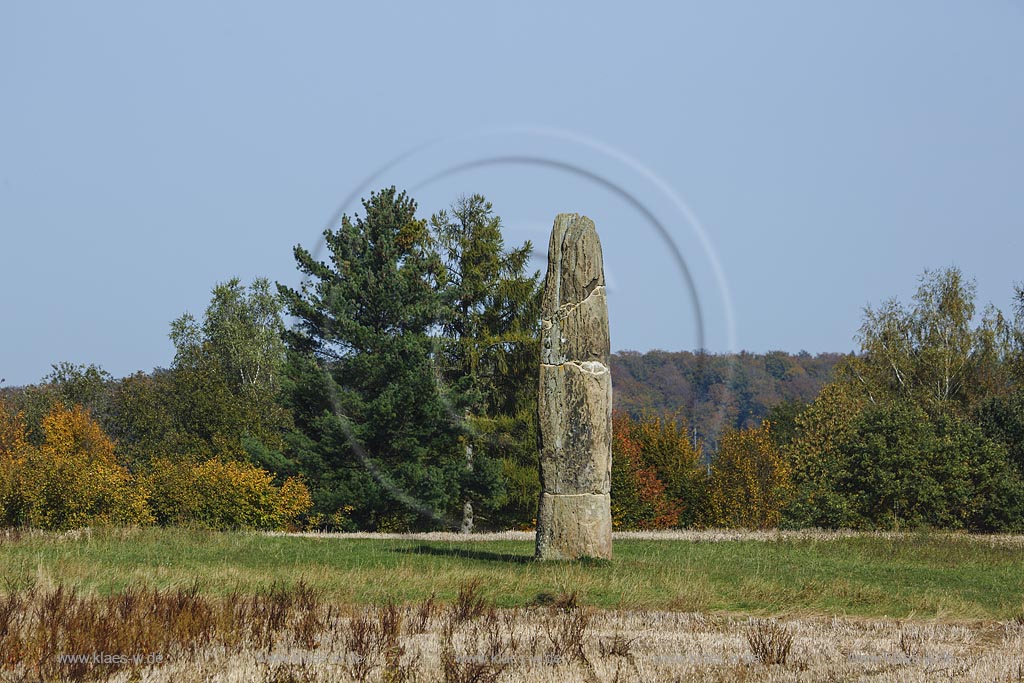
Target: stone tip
575,262
573,219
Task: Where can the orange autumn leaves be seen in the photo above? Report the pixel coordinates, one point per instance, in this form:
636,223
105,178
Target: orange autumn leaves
639,496
73,479
661,479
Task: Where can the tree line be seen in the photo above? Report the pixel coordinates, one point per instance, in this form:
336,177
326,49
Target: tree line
402,396
923,427
715,392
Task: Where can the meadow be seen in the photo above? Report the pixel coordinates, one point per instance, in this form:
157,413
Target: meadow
185,604
922,575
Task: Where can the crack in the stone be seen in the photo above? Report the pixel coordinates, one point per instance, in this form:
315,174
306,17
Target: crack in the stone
586,366
565,310
574,495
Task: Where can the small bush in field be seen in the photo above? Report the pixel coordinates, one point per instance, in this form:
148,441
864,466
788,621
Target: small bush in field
769,641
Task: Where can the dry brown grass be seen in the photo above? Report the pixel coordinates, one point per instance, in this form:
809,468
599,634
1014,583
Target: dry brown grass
290,635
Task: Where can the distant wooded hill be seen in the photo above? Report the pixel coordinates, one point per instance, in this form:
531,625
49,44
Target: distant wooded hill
714,391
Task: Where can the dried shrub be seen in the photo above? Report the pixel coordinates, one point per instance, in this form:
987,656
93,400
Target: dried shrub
312,616
390,620
480,654
53,634
566,600
361,637
910,643
560,601
470,602
616,646
290,673
770,642
566,631
476,644
423,614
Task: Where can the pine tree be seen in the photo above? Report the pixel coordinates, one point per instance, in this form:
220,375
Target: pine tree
490,350
377,433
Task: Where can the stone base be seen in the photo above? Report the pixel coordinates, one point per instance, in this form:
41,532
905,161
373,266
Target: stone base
570,527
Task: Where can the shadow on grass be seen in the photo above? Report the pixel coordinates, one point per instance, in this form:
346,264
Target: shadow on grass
488,556
463,553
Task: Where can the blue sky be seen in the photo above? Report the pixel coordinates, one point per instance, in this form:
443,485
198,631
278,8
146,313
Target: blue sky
802,159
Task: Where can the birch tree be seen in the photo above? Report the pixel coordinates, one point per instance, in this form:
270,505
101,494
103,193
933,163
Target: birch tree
929,351
227,370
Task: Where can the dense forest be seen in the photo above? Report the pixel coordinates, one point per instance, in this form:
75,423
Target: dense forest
713,392
403,397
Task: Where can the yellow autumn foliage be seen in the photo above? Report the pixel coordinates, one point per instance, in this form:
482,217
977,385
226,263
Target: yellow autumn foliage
225,494
13,440
750,480
12,430
72,479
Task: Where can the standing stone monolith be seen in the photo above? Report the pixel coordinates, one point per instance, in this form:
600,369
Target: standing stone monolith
574,406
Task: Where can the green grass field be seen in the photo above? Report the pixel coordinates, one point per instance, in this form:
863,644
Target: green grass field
927,576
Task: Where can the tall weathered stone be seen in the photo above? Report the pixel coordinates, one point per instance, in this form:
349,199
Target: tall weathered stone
575,402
